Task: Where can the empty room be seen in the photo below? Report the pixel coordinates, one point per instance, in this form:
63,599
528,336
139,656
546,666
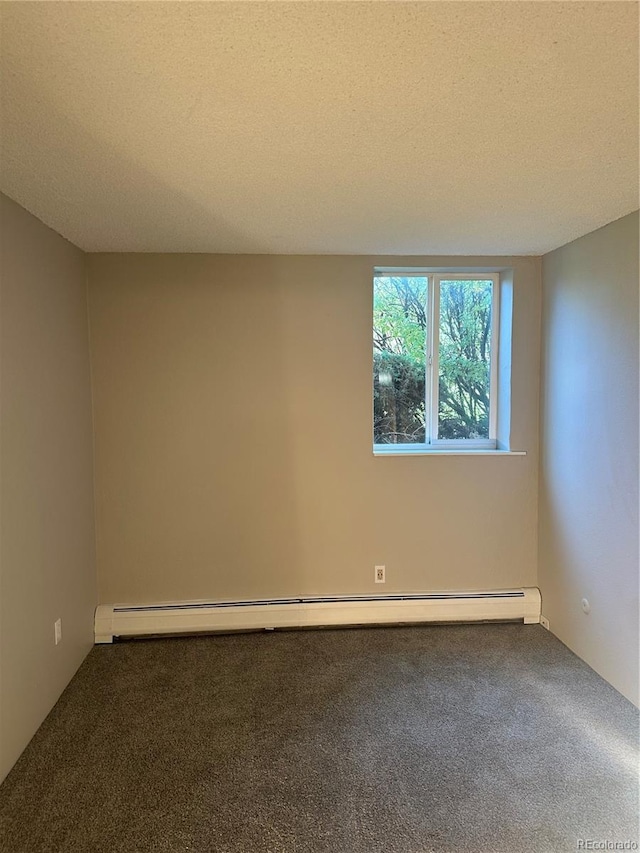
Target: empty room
319,427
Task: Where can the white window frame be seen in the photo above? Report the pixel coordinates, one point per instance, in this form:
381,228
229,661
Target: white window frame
433,443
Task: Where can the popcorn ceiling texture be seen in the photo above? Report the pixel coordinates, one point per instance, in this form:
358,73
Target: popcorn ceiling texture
358,128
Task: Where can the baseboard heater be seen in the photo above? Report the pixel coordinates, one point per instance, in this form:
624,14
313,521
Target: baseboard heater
321,611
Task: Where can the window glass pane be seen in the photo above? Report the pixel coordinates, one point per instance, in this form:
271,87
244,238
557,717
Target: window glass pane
399,335
464,359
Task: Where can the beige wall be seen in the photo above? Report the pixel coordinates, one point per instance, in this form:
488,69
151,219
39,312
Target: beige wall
232,409
47,552
589,467
232,403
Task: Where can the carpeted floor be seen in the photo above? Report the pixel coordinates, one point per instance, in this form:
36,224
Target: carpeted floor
483,738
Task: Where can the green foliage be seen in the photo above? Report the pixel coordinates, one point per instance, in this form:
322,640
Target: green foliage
399,340
399,318
398,399
464,359
399,336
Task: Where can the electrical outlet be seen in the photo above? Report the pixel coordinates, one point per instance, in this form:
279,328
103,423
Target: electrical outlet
57,631
544,622
379,574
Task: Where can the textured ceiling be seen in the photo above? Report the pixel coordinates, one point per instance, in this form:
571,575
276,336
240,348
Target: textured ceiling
315,127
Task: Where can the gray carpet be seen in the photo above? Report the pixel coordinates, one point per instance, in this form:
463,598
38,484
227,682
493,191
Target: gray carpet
484,738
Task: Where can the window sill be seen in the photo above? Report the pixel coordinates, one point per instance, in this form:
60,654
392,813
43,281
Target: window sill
452,452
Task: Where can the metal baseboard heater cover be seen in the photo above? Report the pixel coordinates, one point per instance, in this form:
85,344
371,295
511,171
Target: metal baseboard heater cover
319,611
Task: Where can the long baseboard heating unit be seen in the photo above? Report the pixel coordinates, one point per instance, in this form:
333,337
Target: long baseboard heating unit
322,611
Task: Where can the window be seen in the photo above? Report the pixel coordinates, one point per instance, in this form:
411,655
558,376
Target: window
435,360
